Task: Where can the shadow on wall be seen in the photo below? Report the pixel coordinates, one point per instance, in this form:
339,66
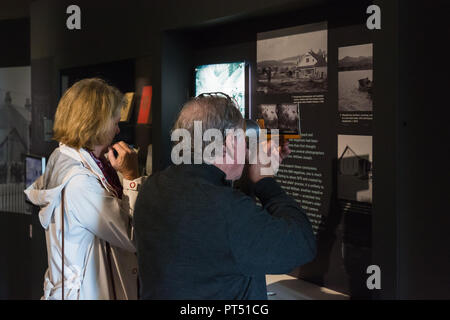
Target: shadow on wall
343,247
15,264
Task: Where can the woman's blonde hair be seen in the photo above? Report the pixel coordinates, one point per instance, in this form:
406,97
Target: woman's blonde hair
85,113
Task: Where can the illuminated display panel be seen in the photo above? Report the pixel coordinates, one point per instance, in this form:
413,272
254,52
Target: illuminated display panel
228,78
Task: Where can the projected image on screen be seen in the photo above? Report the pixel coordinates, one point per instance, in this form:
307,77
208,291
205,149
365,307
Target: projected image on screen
228,78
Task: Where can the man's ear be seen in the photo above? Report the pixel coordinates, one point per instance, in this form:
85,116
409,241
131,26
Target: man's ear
229,145
229,140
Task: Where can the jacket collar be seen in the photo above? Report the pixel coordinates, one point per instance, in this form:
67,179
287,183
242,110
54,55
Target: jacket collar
85,158
207,172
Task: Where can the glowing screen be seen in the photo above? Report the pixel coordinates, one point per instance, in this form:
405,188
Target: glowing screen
228,78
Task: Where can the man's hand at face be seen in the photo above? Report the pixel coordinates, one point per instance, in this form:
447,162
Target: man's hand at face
284,150
276,154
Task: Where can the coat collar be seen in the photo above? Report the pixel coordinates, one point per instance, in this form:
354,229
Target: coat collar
207,172
85,158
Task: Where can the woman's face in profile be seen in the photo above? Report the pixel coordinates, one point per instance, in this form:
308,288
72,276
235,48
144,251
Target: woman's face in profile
113,131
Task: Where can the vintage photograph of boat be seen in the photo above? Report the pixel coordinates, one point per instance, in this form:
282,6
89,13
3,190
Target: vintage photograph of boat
355,78
292,63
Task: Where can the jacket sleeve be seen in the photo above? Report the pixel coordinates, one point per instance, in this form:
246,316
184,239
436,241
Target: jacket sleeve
273,239
130,193
100,212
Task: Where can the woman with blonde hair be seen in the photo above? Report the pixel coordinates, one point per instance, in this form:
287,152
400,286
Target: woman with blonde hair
85,210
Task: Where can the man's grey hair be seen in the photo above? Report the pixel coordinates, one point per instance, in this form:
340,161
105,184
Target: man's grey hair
214,112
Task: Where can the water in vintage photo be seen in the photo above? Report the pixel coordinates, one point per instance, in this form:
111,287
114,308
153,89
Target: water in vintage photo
355,90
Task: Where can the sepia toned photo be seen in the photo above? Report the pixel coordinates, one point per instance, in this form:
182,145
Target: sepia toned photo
292,61
355,167
355,78
15,121
284,117
288,117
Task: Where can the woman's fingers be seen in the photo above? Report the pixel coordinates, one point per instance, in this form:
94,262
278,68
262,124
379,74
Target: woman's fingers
124,146
111,156
120,148
126,160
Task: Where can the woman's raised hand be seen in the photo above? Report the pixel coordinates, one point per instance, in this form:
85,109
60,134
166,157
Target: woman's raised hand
126,161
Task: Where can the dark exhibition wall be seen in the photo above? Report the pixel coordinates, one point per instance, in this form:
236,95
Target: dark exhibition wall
402,228
16,51
422,200
15,276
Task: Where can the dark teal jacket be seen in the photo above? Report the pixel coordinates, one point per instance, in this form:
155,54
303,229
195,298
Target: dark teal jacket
198,238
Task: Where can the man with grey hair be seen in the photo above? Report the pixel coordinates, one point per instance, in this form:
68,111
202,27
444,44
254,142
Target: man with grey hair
199,238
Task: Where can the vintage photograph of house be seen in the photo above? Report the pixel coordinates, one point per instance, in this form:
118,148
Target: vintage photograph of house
292,63
355,78
15,103
355,168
